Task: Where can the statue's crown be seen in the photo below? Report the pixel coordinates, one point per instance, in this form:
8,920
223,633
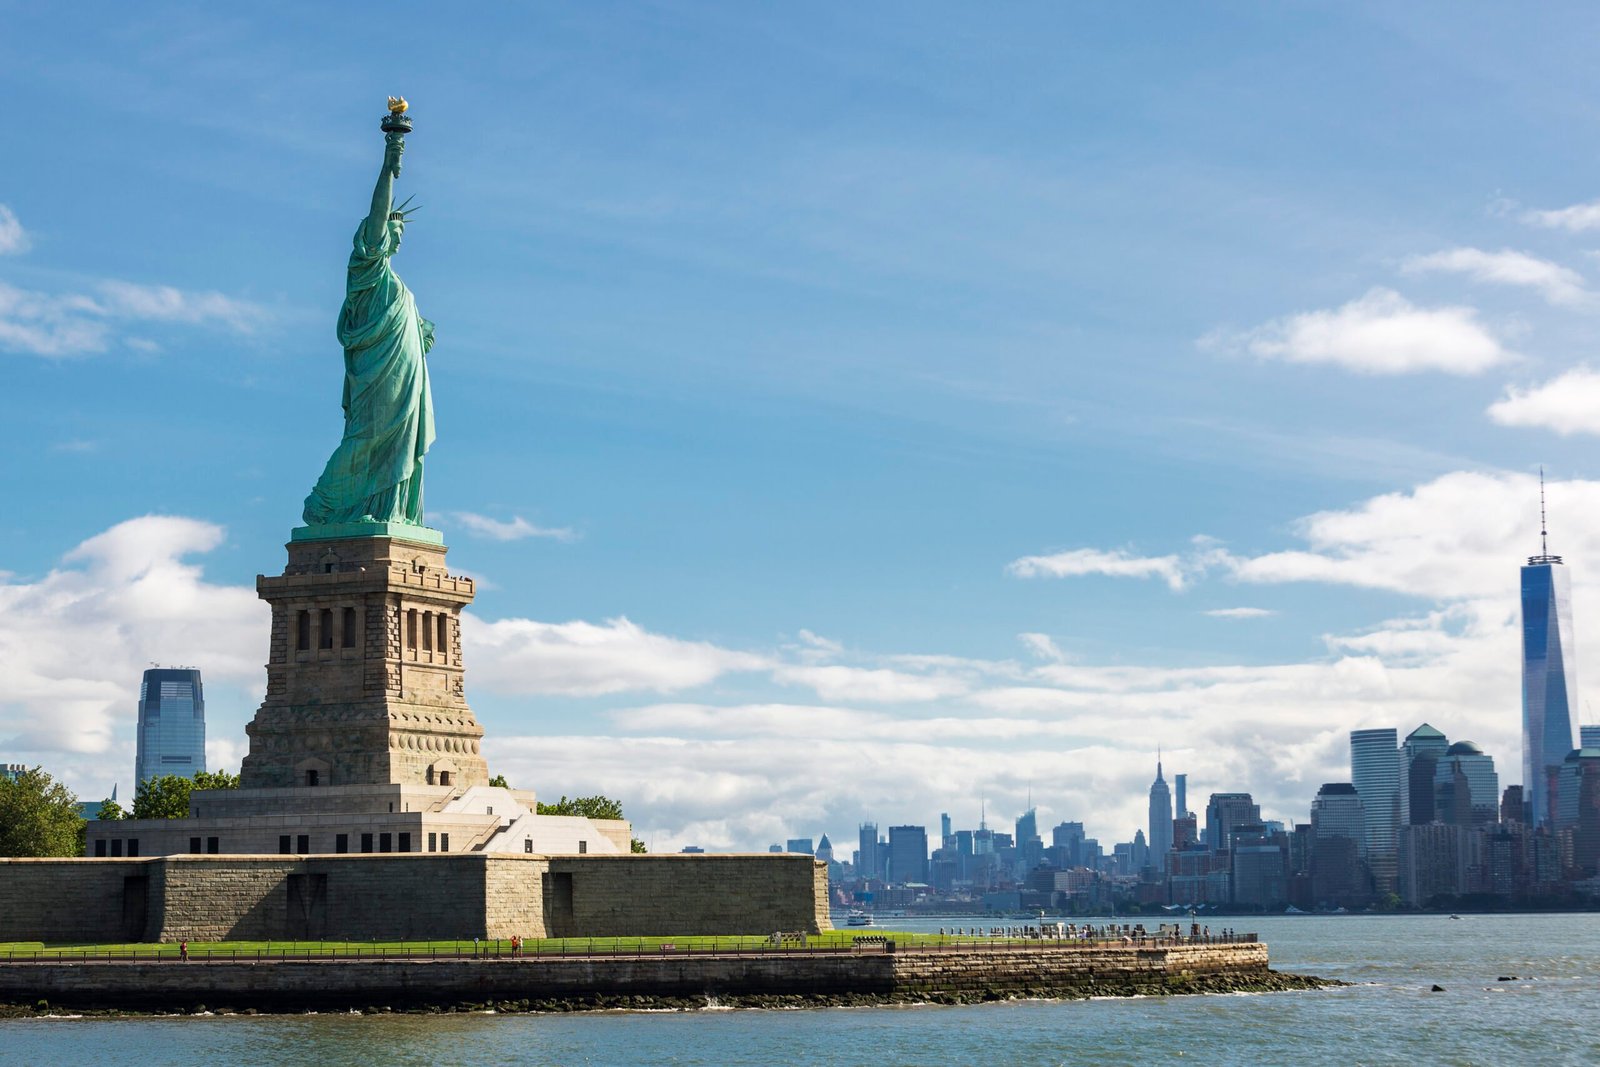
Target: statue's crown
402,213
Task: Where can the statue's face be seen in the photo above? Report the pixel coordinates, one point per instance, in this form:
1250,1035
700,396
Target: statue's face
397,230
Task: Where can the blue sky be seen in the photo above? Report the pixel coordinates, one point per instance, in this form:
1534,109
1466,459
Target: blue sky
852,411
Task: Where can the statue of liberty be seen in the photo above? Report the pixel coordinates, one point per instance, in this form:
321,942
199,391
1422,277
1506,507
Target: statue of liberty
375,475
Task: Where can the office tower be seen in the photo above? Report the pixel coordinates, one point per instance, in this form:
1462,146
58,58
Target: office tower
1066,844
870,863
1224,811
13,771
1483,785
801,845
1577,764
1511,805
1549,675
1029,845
1138,853
1430,862
1180,795
1259,869
1375,772
1338,845
1337,812
825,850
172,725
1589,735
1579,798
944,828
1160,821
908,855
1419,760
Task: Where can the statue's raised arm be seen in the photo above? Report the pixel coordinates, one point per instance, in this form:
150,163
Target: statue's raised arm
394,146
375,475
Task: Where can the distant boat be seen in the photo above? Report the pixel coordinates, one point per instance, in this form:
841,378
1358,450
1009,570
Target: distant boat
1292,910
857,917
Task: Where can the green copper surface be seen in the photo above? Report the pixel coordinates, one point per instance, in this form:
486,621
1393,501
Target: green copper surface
402,531
375,475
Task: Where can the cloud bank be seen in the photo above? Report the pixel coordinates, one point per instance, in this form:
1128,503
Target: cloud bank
730,747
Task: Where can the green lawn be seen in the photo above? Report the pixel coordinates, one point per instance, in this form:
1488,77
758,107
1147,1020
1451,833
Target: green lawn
833,939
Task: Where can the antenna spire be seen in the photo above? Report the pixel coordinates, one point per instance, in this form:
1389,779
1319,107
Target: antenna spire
1544,534
1544,558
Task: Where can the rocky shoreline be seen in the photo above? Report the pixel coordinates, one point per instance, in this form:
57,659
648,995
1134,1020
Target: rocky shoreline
1180,985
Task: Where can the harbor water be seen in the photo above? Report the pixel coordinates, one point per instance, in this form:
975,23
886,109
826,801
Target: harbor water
1548,1011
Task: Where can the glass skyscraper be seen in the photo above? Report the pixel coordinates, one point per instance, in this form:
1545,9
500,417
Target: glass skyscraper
1419,761
1337,812
908,854
1549,681
172,724
1375,772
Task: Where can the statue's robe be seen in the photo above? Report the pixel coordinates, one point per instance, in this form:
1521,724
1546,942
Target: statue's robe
376,472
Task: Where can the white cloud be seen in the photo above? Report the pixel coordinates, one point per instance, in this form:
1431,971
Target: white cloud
1577,218
1456,537
47,325
13,238
164,303
56,325
869,685
1043,646
1116,564
1379,333
515,530
78,445
1567,404
1240,613
1557,284
820,643
585,659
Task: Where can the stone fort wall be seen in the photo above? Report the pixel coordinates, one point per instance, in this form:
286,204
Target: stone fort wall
407,896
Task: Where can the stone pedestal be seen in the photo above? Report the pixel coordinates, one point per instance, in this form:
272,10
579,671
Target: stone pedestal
364,677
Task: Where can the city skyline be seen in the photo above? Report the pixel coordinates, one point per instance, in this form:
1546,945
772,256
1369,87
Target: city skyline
898,429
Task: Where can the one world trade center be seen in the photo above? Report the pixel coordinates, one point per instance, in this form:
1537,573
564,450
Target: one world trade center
1549,675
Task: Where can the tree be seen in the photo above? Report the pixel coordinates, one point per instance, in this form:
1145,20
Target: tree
499,781
595,807
38,817
215,780
638,846
167,797
110,809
